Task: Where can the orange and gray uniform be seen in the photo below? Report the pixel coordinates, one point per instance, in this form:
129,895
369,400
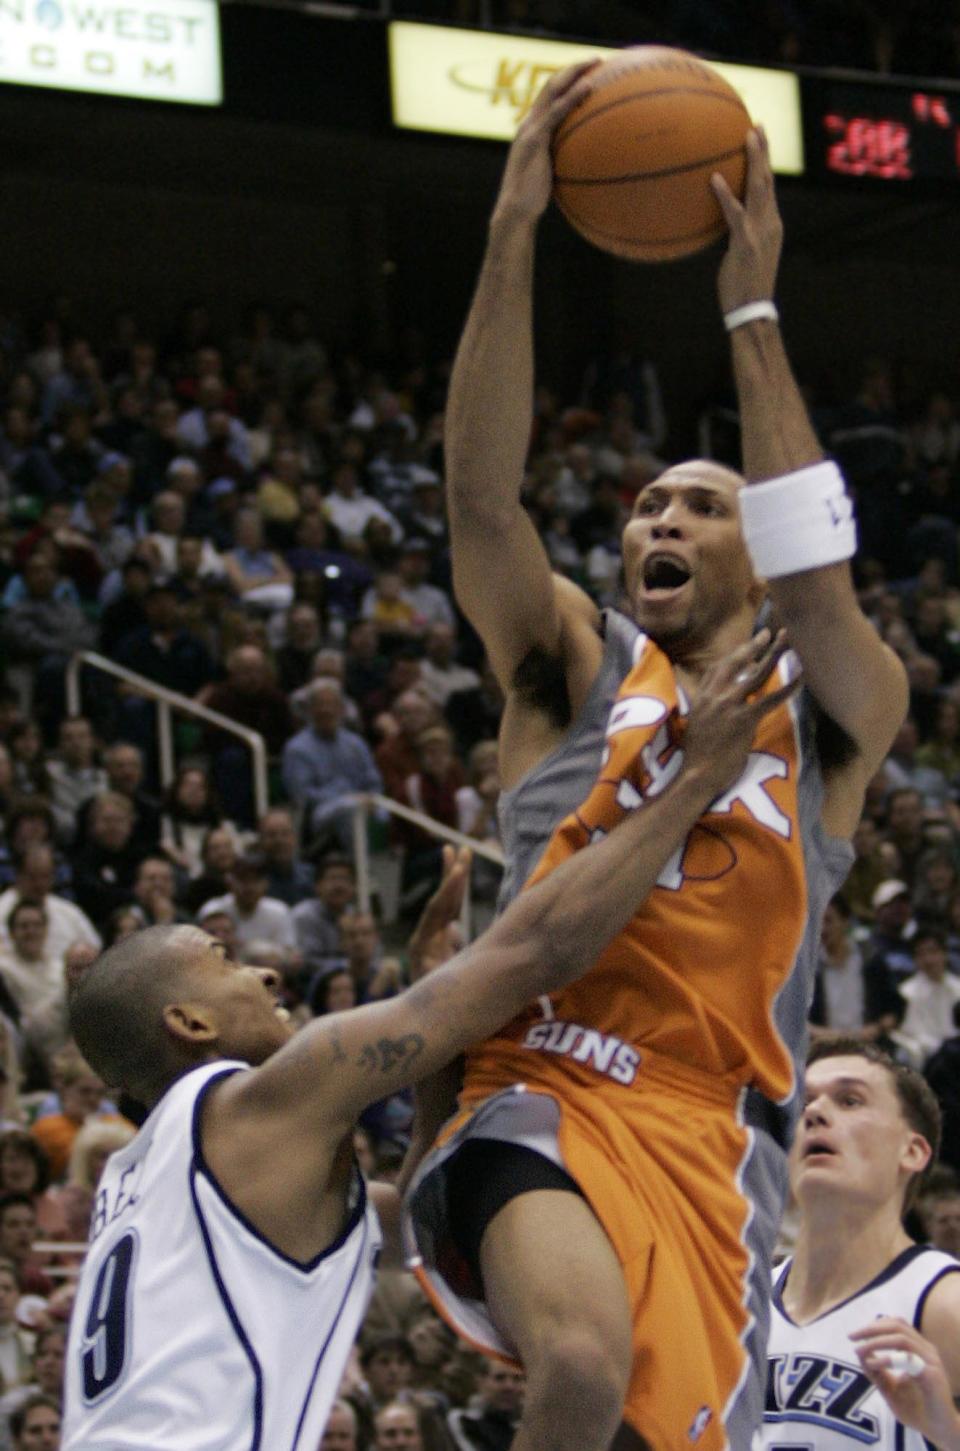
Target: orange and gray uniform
664,1080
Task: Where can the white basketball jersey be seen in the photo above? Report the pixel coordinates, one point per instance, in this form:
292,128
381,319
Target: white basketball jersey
818,1397
190,1332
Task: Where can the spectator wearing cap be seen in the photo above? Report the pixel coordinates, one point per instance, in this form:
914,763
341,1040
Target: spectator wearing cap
256,917
894,929
931,994
325,766
289,879
257,575
441,674
34,882
350,510
432,605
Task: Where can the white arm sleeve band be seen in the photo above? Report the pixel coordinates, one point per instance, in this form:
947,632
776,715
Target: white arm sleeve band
800,521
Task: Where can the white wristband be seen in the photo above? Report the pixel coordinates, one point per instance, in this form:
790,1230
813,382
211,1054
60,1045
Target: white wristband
801,521
750,312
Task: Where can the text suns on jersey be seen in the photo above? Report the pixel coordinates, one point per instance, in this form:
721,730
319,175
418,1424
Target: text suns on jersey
601,1051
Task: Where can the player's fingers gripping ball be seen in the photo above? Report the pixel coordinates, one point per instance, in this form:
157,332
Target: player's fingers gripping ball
633,161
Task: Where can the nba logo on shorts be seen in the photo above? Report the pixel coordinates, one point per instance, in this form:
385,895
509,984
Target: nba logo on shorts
700,1423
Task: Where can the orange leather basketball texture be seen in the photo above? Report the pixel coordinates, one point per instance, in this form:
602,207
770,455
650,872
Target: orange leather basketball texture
632,163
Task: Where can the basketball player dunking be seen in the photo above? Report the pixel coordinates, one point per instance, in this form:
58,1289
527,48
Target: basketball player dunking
233,1244
604,1207
857,1287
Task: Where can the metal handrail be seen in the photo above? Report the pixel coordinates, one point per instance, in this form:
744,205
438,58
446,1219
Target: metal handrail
167,701
363,805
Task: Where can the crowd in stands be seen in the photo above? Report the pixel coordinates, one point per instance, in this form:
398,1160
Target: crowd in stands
250,521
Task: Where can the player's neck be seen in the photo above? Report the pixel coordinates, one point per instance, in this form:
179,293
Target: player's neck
692,660
840,1250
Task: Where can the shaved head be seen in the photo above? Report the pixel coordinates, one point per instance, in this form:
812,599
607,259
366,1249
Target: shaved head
168,999
116,1006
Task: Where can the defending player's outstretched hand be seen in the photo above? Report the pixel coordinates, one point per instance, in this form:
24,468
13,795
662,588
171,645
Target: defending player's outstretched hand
748,272
727,710
435,938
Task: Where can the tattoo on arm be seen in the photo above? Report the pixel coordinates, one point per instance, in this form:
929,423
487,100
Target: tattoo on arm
389,1053
337,1054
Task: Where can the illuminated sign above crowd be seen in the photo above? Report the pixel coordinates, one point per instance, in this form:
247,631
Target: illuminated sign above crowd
163,50
475,83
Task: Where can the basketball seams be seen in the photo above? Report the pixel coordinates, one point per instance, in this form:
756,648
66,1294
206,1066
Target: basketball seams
661,155
649,175
714,93
613,241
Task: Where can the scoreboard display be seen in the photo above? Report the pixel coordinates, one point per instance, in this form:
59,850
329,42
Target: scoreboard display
882,131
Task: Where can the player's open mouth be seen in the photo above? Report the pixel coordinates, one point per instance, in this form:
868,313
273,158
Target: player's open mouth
282,1013
664,575
818,1149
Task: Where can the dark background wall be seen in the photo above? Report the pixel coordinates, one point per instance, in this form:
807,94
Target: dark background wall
298,190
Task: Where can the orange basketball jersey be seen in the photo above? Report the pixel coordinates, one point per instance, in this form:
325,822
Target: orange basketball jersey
695,977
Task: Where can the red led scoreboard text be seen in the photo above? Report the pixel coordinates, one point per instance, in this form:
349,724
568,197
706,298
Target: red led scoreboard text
894,135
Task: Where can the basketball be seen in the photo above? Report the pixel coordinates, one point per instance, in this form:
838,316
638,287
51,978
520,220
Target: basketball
632,162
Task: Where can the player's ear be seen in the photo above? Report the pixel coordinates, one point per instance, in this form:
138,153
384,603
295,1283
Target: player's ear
917,1154
189,1023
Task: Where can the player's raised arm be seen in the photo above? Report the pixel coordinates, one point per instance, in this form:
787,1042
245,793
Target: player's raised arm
502,576
549,935
797,518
